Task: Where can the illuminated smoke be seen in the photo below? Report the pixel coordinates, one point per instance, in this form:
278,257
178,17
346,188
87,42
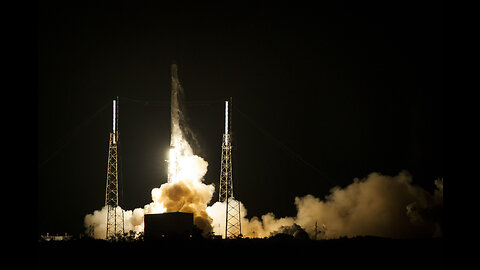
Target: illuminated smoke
96,222
378,205
255,227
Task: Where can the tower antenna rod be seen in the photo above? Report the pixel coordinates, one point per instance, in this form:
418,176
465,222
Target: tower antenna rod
114,119
226,117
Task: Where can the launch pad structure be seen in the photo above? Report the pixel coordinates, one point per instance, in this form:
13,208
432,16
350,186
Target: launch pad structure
115,215
233,227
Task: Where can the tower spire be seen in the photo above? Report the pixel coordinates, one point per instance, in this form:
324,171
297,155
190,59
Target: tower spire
232,207
114,212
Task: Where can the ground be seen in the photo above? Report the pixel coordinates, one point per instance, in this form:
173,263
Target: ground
283,252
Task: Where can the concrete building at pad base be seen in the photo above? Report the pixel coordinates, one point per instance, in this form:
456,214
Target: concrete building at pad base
173,224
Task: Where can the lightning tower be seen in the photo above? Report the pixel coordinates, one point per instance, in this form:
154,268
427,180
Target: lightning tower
233,226
114,212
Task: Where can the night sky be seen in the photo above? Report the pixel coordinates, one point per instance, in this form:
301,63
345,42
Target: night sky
322,94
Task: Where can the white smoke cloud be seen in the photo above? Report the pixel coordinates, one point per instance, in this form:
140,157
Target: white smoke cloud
96,223
378,205
253,227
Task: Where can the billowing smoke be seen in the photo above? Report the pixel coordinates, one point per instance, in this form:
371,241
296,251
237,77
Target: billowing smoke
187,195
378,205
96,223
254,227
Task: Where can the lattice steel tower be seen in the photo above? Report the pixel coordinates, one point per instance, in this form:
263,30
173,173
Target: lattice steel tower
114,212
233,226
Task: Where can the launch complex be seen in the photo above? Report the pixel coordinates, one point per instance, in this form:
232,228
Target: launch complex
161,224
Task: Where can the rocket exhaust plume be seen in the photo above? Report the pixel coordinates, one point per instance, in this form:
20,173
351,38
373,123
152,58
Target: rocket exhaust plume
178,145
185,190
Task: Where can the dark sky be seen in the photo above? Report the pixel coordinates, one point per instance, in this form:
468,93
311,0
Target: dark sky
322,94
